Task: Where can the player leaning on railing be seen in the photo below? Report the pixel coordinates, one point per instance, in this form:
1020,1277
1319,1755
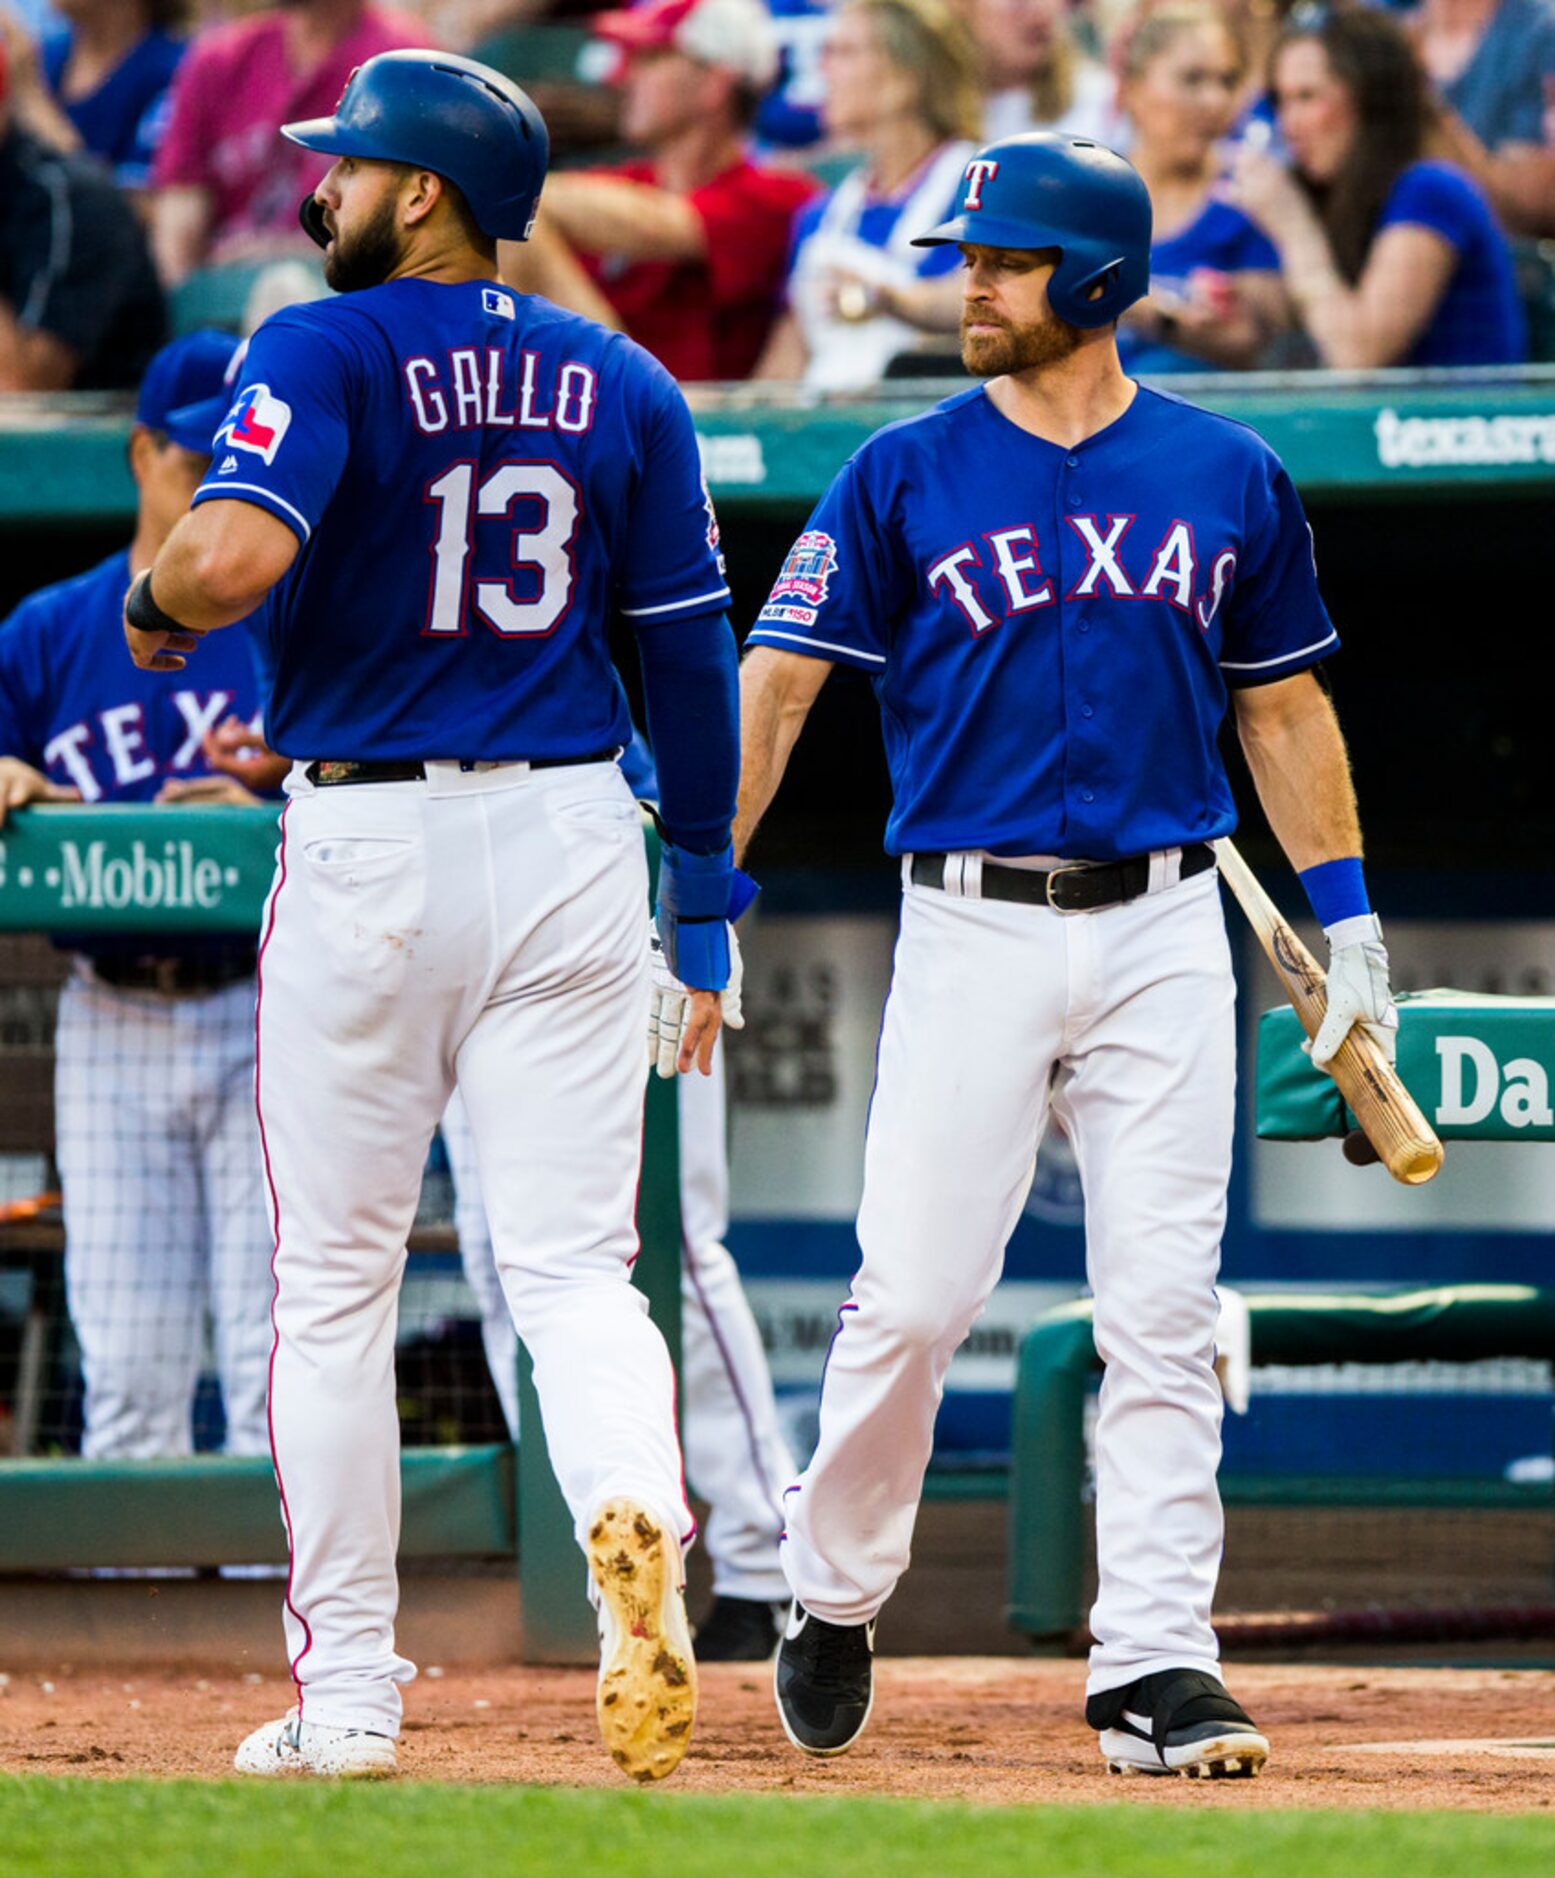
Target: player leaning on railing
154,1118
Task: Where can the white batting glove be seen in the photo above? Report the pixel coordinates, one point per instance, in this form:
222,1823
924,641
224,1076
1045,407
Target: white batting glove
671,1002
1357,991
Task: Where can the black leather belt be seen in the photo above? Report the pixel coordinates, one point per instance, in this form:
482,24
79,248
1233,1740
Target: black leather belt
175,976
333,774
1080,888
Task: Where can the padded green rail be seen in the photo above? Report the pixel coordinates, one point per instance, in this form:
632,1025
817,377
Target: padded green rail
211,1510
1387,434
132,869
1480,1067
1057,1362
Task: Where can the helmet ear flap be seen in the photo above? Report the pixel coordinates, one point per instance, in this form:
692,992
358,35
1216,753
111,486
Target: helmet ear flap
310,213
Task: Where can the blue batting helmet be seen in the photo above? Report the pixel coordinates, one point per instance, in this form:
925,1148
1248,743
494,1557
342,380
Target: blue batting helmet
443,113
1044,190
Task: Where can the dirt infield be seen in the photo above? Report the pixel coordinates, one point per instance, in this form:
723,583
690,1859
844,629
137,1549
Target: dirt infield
981,1728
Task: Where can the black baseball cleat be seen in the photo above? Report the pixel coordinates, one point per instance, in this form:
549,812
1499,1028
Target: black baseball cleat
739,1630
1178,1721
824,1678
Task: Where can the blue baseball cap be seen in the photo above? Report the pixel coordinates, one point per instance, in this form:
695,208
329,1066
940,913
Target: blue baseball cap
187,388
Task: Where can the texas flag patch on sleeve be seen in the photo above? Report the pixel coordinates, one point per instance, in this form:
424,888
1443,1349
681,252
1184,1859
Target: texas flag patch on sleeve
258,422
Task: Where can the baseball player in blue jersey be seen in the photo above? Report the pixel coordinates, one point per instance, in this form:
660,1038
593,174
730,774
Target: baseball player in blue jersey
1057,583
157,1147
437,491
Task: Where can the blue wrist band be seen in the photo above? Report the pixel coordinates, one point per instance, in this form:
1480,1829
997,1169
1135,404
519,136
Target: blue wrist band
1337,890
693,914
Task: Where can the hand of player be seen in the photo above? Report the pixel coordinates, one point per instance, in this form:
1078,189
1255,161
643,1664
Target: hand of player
20,784
160,651
215,789
235,749
1358,993
683,1025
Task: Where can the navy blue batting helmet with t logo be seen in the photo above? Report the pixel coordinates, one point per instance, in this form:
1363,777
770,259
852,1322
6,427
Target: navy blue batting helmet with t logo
443,113
1044,190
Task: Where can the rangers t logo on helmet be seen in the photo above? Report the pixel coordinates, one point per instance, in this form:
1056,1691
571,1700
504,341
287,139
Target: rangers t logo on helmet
979,171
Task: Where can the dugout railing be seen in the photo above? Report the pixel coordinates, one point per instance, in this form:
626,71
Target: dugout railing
1050,1493
204,870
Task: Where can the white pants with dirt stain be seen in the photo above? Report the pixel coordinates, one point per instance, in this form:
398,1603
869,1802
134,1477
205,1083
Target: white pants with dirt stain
486,928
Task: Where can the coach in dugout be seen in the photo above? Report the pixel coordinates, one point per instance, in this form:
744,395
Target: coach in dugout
158,1147
684,249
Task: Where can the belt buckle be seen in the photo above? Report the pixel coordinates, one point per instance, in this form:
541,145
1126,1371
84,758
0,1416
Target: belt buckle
1057,873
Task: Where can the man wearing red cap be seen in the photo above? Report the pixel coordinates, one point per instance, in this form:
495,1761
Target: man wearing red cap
685,248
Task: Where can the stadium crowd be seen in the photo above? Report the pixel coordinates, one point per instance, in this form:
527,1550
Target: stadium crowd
1347,185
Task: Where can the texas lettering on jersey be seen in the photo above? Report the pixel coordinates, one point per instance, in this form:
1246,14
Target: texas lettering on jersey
73,705
993,582
1015,600
108,753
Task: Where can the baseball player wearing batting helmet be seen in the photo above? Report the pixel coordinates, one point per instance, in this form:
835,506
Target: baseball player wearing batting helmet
437,492
1058,582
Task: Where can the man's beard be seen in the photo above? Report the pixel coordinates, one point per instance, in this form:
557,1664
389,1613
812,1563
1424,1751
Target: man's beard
1017,349
368,255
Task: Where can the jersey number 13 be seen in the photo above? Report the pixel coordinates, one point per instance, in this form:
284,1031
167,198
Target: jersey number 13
546,549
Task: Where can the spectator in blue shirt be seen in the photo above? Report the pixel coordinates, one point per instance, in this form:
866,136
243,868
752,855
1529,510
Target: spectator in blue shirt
1215,296
109,69
1493,65
1389,258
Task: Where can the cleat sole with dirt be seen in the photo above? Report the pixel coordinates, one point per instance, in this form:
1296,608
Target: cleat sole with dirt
647,1696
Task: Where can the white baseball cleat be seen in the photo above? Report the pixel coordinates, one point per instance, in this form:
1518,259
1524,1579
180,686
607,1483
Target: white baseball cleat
647,1698
293,1746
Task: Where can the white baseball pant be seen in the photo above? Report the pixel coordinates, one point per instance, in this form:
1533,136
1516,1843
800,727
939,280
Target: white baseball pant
1123,1020
164,1211
736,1456
487,928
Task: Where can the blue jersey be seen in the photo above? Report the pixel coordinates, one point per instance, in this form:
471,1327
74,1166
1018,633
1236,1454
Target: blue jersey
477,479
122,121
1479,318
73,704
1052,632
1219,238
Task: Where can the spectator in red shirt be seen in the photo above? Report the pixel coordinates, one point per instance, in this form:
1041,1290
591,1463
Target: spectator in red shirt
227,184
685,249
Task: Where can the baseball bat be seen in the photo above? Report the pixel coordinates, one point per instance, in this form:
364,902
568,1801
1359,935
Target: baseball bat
1388,1114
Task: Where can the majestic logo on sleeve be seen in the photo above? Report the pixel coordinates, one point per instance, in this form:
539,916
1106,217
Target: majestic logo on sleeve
257,422
801,587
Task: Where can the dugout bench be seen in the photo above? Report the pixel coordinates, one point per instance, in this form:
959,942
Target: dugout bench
131,869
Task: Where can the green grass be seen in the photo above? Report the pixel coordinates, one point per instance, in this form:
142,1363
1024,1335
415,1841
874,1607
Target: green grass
65,1828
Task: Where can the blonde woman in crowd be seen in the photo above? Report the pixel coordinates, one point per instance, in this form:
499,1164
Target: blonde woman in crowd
901,86
1215,296
1035,76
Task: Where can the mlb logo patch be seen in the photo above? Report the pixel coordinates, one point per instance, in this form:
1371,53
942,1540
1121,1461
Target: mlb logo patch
808,570
500,305
258,422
